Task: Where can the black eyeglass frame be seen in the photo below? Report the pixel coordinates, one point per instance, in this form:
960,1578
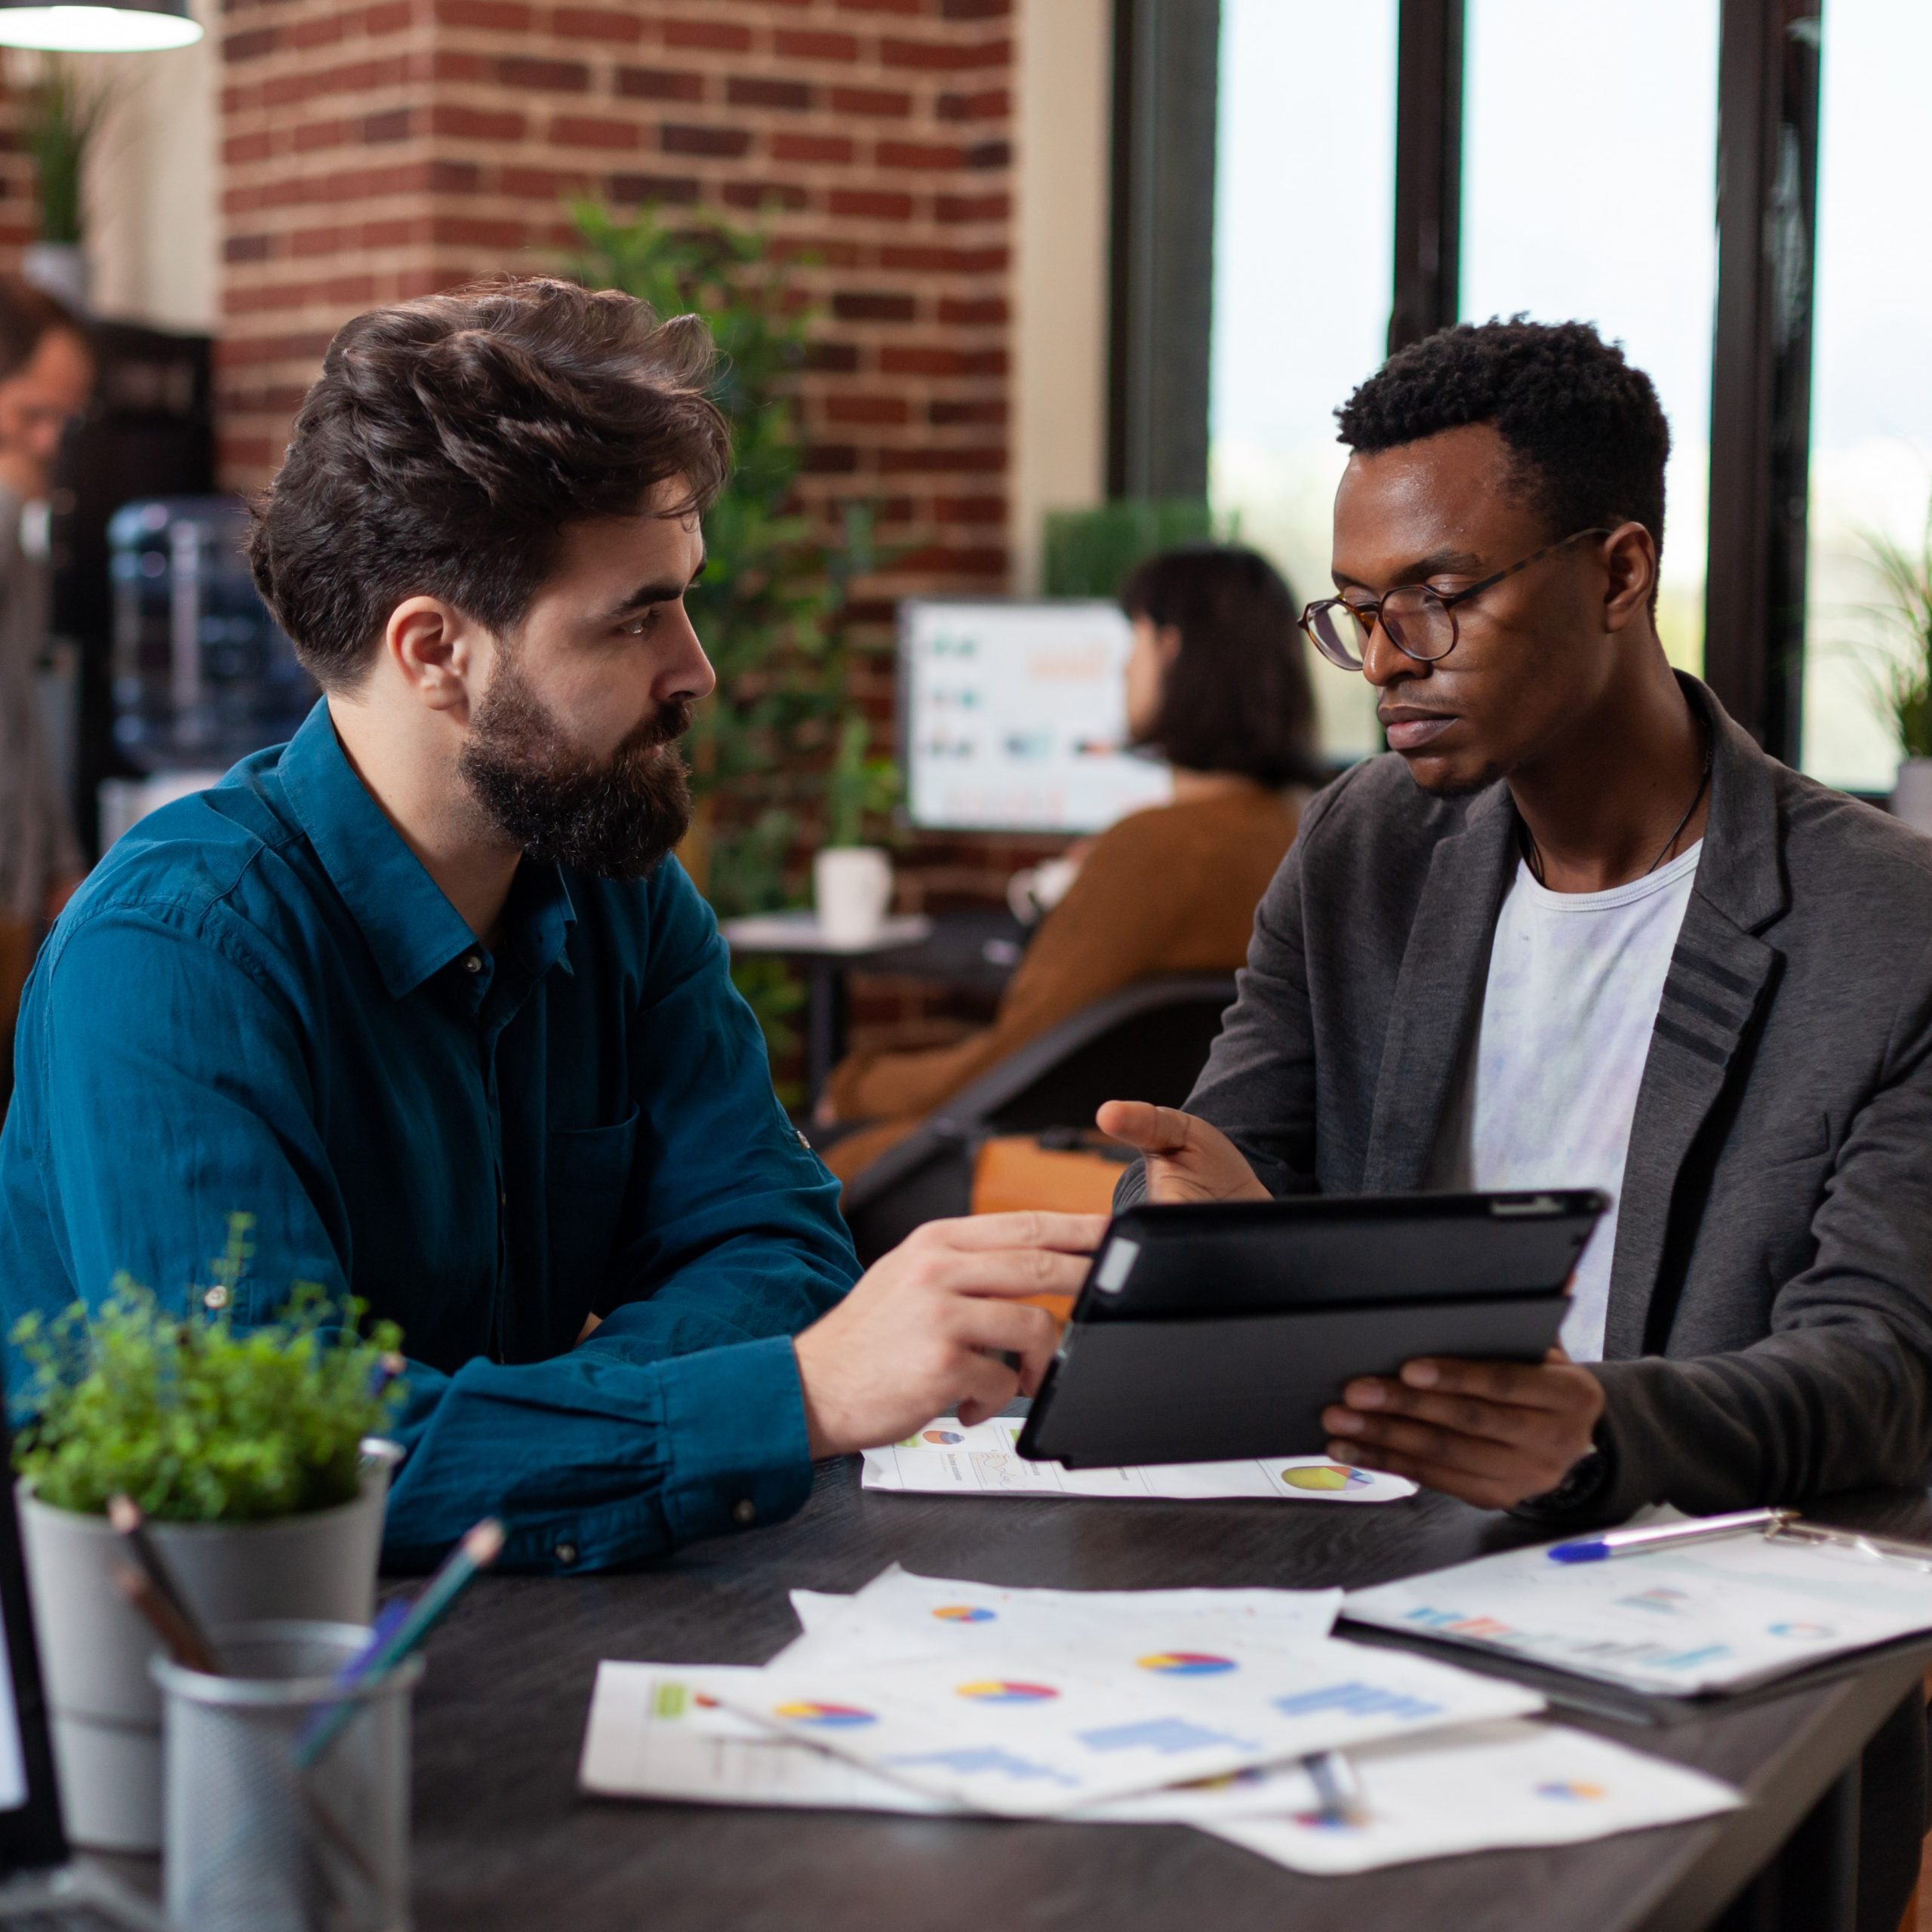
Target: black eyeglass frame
1370,614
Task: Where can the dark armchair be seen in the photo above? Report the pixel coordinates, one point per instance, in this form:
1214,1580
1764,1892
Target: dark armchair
1148,1042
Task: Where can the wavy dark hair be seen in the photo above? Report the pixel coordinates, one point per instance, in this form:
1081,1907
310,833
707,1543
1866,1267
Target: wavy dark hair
1237,697
448,442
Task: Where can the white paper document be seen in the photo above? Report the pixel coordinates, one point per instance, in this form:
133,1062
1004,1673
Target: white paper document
657,1730
934,1696
1706,1616
1478,1789
950,1458
1146,1703
899,1615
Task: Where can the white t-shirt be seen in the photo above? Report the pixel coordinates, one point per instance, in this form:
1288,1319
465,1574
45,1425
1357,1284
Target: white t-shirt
1546,1096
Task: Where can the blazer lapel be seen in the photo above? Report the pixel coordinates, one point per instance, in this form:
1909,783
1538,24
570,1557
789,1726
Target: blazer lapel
1718,977
1445,965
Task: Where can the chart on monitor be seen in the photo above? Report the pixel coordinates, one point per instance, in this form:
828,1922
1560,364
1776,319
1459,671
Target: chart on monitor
1012,717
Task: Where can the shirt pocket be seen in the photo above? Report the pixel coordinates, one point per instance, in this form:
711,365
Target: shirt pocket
587,1185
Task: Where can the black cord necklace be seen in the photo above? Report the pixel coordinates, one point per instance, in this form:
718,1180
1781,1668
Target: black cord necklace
1534,859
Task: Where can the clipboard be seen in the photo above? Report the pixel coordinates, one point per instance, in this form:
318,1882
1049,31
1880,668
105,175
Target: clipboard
1219,1332
1613,1637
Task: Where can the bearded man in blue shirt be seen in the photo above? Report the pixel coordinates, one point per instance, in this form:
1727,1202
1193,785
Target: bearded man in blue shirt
422,992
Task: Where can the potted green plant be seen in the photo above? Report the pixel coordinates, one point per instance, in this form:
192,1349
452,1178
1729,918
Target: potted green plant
1903,617
252,1454
852,880
774,607
60,114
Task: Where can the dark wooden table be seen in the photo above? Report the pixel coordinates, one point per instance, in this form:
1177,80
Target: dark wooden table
504,1839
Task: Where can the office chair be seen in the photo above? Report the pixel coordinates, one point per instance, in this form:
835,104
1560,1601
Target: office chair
1148,1042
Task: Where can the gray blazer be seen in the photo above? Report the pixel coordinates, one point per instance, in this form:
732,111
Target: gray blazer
1769,1333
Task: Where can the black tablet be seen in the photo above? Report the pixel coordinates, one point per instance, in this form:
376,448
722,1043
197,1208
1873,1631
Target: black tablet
1207,1333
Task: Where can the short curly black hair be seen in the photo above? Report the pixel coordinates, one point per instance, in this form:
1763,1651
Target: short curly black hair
1586,429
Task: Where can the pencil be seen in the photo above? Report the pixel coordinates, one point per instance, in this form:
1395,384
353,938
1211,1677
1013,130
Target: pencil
125,1515
183,1641
476,1551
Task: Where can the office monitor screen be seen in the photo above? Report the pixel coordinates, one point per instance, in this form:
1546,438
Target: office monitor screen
1014,717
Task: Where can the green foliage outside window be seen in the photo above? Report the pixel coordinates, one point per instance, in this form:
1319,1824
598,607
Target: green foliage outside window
770,609
197,1421
1089,552
1905,613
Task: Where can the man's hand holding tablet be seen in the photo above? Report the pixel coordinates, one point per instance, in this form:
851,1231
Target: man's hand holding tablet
1494,1434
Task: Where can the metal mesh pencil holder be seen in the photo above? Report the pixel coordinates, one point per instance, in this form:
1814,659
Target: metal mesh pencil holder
257,1843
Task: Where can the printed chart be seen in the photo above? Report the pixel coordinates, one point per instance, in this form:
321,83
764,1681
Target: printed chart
951,1458
1027,1734
1709,1617
1479,1788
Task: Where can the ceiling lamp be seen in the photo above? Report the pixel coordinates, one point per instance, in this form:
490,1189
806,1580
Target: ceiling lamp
92,26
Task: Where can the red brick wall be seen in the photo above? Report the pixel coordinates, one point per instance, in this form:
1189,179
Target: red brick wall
20,218
374,150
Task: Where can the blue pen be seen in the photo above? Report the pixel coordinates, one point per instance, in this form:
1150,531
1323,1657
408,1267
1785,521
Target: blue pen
478,1548
1670,1536
389,1620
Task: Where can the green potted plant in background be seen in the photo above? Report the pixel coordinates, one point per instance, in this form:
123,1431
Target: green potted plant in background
61,114
251,1454
1903,620
851,880
772,607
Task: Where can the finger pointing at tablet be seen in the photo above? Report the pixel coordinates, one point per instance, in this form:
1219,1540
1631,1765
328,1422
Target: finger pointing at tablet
939,1326
1187,1160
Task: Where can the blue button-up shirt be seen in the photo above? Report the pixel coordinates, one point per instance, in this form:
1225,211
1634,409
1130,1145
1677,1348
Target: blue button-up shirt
261,1002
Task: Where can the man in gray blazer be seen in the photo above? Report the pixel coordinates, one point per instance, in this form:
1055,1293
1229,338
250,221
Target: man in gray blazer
1577,929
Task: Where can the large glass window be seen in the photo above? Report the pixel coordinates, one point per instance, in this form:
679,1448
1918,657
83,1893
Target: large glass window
1871,378
1589,194
1304,188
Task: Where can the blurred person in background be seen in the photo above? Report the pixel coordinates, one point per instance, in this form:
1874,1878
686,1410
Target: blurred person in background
47,374
1217,685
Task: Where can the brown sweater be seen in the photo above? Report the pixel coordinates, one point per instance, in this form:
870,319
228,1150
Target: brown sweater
1169,890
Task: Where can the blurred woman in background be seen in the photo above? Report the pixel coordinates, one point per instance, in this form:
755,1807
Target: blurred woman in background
1217,686
46,375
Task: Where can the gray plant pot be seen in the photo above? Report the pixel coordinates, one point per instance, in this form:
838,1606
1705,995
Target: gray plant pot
94,1648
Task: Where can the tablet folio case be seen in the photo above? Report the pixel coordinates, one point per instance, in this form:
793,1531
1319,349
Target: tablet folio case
1138,1395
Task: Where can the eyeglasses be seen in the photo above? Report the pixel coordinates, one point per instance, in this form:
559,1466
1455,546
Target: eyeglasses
1420,623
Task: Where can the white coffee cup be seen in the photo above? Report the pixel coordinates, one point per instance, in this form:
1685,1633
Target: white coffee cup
851,888
1033,894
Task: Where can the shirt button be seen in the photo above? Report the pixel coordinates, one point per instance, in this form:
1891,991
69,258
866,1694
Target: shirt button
473,962
566,1552
803,1142
216,1298
744,1511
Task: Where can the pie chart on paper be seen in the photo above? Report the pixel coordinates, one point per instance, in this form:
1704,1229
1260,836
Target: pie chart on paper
1315,1479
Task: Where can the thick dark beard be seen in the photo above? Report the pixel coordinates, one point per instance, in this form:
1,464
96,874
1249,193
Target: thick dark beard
617,820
